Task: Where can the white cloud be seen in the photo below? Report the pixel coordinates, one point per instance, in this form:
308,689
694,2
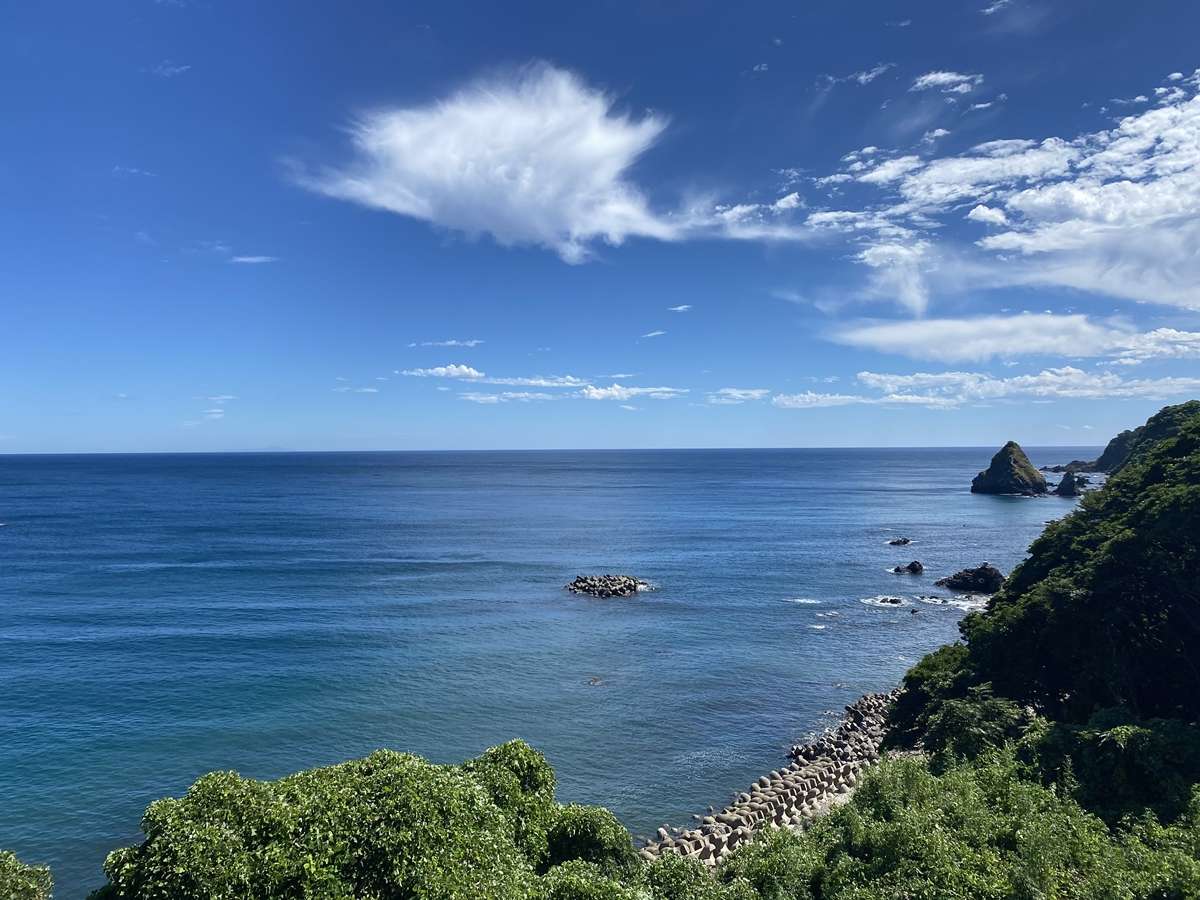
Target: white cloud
653,334
985,337
812,400
733,396
1066,382
947,82
473,342
536,158
253,260
542,381
788,201
761,67
624,392
455,370
681,308
866,76
504,397
899,271
1113,212
628,407
988,215
995,6
933,135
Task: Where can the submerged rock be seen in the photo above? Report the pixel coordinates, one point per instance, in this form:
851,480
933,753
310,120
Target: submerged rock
607,585
986,579
913,568
1010,472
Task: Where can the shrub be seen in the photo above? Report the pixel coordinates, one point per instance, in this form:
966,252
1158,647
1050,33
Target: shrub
521,783
389,825
594,835
21,882
580,880
974,725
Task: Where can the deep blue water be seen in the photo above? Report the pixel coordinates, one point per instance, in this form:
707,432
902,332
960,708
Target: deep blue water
165,615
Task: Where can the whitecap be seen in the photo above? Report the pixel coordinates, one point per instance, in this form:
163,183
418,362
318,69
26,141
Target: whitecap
807,601
818,627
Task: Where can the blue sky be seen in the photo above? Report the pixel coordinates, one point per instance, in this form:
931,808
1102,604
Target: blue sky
452,225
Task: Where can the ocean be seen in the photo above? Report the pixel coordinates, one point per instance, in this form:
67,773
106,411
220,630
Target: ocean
162,616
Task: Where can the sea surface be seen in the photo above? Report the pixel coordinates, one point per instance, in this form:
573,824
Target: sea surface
166,615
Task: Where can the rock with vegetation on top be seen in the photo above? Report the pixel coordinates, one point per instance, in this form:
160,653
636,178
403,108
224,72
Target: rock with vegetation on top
985,579
607,585
1010,472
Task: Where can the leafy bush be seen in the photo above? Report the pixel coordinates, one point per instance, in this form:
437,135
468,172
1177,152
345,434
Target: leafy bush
594,835
978,831
389,825
580,880
974,725
937,677
1120,766
521,783
21,882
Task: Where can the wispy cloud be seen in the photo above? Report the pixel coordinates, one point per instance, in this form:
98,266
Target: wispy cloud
947,82
454,370
133,171
625,392
653,334
473,342
1114,212
253,260
736,396
946,390
537,158
681,308
504,397
168,69
994,7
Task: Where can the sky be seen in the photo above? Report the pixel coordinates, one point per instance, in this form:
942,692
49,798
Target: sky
369,225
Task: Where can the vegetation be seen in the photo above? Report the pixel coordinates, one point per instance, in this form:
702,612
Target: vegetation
1061,759
21,882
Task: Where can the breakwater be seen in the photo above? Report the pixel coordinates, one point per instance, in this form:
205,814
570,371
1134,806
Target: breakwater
822,773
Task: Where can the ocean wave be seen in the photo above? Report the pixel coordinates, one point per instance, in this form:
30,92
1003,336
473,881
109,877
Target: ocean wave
969,602
818,627
807,601
828,615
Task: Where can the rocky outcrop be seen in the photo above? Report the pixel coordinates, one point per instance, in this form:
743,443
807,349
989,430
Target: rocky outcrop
607,585
1010,472
984,579
822,774
1069,485
900,542
913,568
1163,424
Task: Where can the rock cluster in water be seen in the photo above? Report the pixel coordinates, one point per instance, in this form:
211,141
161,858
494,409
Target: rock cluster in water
900,541
607,585
913,568
1010,472
984,579
823,771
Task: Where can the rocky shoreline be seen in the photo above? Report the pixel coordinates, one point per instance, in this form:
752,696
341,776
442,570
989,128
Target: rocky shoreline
822,774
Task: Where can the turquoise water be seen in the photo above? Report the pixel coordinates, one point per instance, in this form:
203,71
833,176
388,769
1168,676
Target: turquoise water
162,616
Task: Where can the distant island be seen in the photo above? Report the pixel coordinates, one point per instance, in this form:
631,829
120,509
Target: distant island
1053,752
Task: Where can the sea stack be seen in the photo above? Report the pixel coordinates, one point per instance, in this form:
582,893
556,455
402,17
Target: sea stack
1010,472
1069,486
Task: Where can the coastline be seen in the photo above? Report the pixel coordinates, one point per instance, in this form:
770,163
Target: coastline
822,775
